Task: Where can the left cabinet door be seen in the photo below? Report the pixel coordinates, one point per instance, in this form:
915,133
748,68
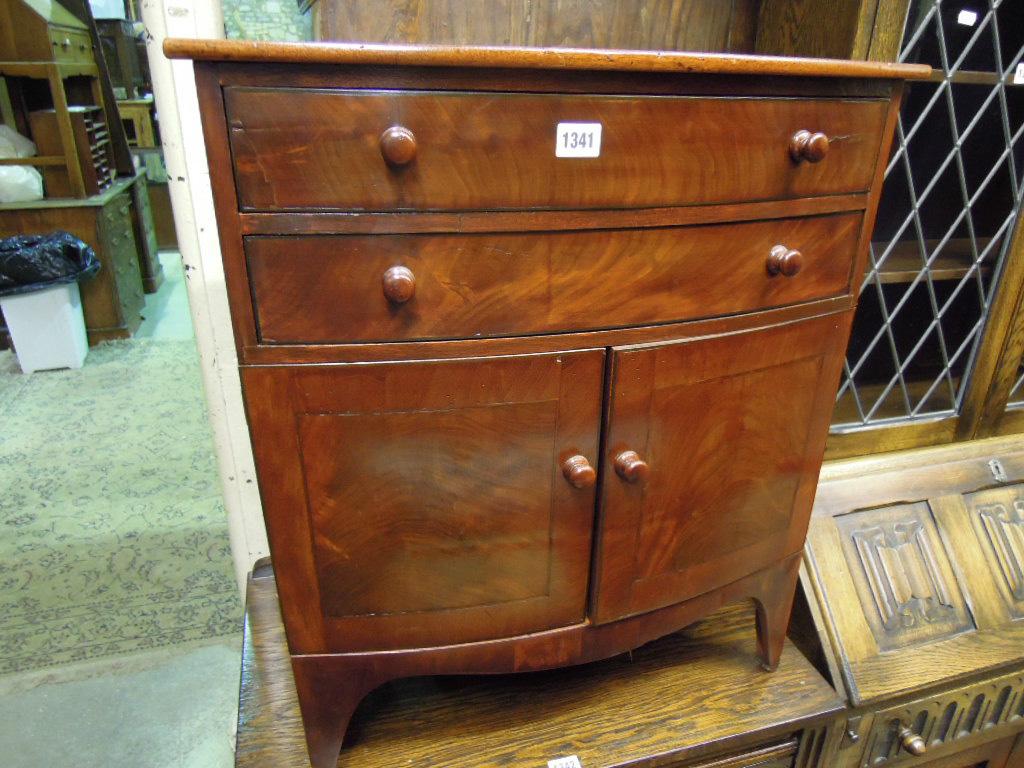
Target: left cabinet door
419,504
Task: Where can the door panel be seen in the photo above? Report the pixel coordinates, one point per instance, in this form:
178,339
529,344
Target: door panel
425,503
731,429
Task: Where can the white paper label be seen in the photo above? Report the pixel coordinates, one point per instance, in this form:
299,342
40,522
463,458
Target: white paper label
1018,76
571,761
578,140
967,17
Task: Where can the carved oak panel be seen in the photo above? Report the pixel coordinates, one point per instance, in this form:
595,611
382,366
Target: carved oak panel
902,575
997,517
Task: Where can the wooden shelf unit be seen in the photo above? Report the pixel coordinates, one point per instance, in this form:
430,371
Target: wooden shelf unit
905,262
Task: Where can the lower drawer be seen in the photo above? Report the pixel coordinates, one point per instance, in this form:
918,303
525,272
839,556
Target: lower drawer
775,756
965,715
363,288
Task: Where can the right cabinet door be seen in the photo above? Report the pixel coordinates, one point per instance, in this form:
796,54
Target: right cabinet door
711,459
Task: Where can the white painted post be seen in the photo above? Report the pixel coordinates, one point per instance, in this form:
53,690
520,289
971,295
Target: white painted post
194,221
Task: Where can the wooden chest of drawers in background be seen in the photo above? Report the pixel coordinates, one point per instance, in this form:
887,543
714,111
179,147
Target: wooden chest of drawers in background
538,348
112,301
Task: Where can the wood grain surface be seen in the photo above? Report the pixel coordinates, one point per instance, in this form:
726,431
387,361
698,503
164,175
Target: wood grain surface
534,58
275,354
320,149
472,286
466,222
432,494
528,719
674,25
733,459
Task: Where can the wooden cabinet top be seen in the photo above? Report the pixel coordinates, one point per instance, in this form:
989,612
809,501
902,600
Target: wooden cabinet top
692,695
499,57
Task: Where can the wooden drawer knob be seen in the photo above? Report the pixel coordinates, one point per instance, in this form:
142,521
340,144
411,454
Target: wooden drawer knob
808,146
399,285
911,742
579,472
784,261
398,145
630,467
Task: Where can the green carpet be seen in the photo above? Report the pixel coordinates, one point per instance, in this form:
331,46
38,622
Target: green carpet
113,537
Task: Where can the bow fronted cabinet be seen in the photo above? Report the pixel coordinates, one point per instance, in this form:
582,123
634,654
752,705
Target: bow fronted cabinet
539,348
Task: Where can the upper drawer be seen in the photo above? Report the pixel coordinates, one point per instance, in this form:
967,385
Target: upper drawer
306,148
71,45
354,288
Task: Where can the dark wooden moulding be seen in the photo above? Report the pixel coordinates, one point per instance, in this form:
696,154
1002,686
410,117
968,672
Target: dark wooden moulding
615,456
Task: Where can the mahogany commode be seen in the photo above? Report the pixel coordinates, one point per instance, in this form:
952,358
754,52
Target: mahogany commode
513,410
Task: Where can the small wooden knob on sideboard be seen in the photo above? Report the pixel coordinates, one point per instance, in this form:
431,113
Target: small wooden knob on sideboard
399,285
398,146
808,146
579,472
911,742
784,261
630,467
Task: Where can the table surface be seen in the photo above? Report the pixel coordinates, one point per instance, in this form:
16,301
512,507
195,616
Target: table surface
697,692
119,185
520,57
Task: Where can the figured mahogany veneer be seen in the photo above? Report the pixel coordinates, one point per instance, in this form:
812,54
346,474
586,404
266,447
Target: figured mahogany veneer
512,411
457,150
505,283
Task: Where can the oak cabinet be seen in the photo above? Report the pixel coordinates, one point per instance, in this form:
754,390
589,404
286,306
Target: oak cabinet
913,576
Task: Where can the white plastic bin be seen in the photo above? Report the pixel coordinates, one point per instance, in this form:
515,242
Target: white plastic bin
47,328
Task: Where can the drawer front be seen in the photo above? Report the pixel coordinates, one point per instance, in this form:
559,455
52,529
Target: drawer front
71,45
963,715
323,149
775,756
432,503
408,287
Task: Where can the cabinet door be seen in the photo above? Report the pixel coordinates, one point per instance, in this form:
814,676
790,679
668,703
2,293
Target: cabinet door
426,503
712,455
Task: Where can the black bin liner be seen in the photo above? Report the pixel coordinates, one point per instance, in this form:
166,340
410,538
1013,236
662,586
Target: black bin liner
34,262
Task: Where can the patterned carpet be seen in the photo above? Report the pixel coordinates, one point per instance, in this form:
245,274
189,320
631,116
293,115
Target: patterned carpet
112,532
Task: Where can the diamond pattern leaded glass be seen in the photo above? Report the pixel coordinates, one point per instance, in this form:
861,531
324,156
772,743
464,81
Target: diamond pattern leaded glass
953,188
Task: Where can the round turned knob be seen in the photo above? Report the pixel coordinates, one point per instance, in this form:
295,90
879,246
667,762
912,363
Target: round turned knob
784,261
578,472
399,285
808,146
630,467
398,145
911,742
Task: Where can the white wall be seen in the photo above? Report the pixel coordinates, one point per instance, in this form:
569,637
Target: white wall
185,155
